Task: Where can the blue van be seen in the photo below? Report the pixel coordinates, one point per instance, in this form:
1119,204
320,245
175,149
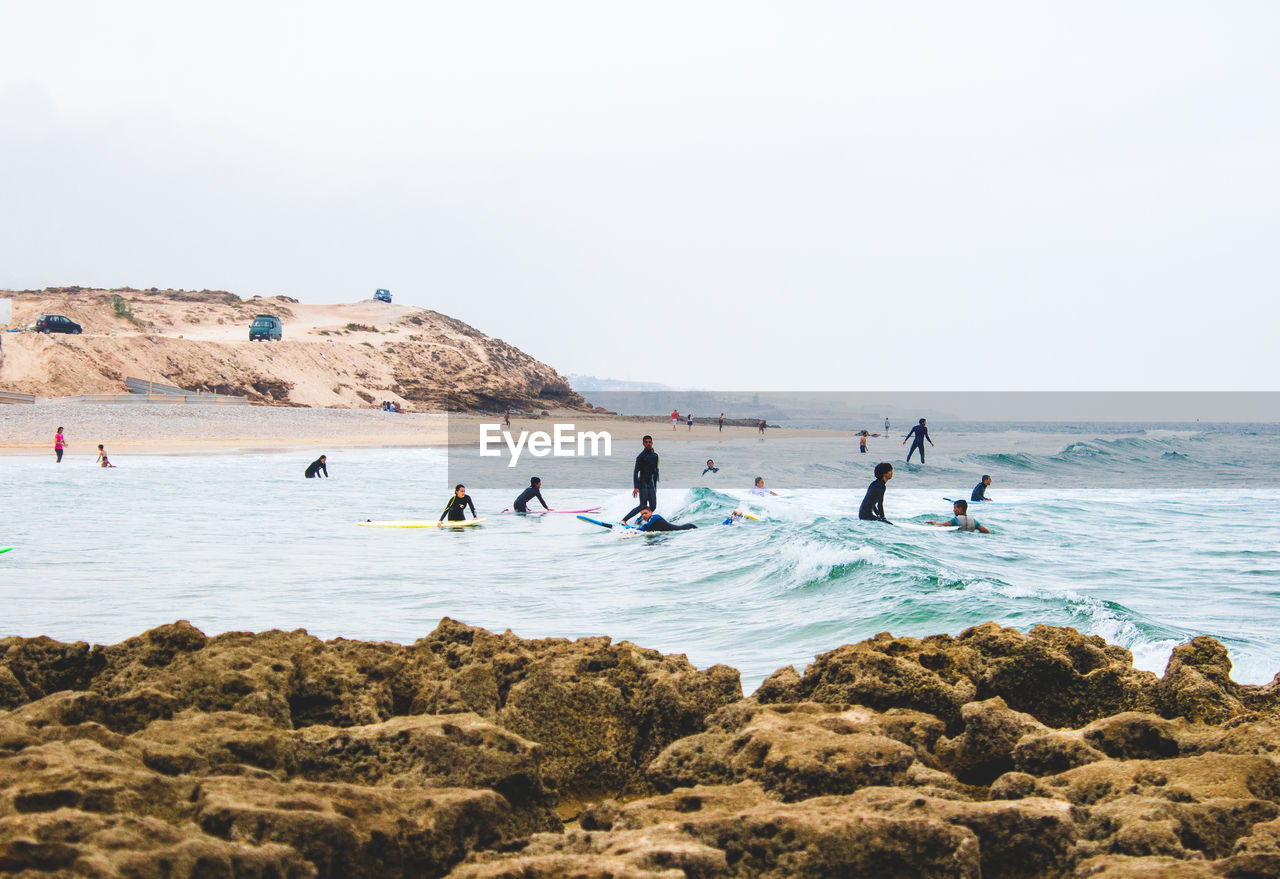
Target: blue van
266,327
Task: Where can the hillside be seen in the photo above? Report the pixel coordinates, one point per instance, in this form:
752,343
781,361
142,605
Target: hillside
350,355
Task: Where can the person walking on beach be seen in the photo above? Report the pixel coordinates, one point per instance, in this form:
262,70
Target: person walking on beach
644,479
961,519
317,466
506,419
721,422
921,433
759,490
761,426
651,521
59,445
886,424
862,443
675,418
102,457
455,510
534,490
980,490
872,509
711,467
690,422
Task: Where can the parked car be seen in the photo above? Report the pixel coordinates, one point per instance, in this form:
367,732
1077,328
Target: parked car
266,327
57,323
382,295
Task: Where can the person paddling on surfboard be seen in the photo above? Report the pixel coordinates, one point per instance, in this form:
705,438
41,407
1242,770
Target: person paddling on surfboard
921,433
962,519
533,491
980,490
651,521
872,509
456,509
644,479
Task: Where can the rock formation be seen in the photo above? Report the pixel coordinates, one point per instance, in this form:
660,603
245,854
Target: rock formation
989,754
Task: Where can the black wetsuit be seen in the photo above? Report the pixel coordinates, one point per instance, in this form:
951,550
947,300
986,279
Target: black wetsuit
921,434
657,523
644,477
315,468
710,470
455,511
979,492
521,504
872,508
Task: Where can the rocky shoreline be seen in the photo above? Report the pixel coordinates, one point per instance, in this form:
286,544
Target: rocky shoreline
473,754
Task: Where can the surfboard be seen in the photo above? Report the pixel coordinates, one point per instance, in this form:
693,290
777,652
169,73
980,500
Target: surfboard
916,526
544,512
421,524
606,524
4,549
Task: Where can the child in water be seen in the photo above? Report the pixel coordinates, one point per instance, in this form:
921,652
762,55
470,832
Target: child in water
102,457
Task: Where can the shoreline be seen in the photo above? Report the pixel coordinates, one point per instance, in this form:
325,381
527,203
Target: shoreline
148,429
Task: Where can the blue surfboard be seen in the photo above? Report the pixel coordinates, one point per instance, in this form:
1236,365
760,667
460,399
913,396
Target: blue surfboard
606,524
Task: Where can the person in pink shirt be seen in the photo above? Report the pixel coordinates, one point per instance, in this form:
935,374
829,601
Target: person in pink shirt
59,444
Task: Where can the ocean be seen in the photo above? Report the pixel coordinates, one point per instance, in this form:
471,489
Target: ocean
1144,535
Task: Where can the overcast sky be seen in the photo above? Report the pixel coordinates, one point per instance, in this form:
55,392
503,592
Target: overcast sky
815,196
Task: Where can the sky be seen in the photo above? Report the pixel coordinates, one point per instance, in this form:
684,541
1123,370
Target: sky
731,195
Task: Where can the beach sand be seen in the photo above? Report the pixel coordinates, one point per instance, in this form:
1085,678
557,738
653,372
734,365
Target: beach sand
156,428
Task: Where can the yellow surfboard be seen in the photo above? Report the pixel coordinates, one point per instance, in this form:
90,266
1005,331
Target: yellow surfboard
409,523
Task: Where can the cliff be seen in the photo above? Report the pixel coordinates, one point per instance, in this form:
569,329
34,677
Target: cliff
352,355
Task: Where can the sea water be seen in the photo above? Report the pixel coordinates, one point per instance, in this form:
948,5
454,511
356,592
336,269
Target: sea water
1144,536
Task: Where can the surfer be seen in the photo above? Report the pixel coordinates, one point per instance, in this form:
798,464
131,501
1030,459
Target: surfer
644,479
721,422
760,490
651,521
455,511
711,467
921,433
102,457
980,490
59,445
962,519
316,467
862,443
872,509
533,491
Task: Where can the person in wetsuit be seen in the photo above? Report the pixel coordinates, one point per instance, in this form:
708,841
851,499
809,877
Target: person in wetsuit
872,509
317,466
711,467
980,490
651,521
455,511
533,491
921,433
644,479
962,519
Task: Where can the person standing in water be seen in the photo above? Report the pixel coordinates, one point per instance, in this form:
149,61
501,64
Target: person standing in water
644,479
872,509
711,467
534,490
59,445
921,433
862,443
962,519
759,490
651,521
102,457
316,467
456,509
980,490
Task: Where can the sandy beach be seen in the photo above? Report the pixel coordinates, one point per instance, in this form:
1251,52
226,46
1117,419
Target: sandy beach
143,428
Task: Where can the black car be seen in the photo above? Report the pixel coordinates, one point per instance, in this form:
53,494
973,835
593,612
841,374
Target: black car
57,323
266,327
